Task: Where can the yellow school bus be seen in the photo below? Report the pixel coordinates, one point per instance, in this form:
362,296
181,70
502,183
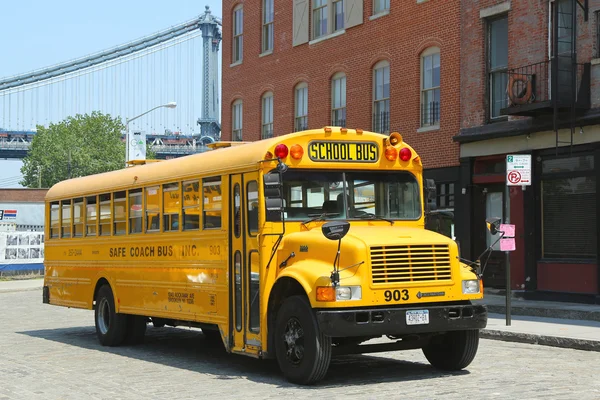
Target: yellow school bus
297,247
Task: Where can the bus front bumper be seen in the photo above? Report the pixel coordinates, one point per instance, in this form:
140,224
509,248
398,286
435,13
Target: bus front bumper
400,321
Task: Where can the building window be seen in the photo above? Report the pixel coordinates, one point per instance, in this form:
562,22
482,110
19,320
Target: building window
267,116
569,208
381,97
380,6
597,34
319,20
497,65
338,100
338,15
267,29
301,107
236,116
430,87
238,38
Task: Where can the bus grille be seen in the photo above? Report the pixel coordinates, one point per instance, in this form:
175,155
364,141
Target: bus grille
418,263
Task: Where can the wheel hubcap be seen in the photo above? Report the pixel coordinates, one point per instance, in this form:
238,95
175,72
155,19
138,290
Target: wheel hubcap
294,341
103,316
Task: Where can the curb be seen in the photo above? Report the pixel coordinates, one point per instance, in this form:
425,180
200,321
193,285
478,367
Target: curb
29,289
553,341
546,312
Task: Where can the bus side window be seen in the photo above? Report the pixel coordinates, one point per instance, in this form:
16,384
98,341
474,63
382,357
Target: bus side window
212,195
105,215
54,219
78,217
153,209
252,207
191,205
171,207
136,215
119,213
66,218
91,207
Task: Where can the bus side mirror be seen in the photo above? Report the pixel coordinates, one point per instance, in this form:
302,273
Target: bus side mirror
273,188
430,194
493,224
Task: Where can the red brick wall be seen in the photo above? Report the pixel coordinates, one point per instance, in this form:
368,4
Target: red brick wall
23,195
399,37
528,23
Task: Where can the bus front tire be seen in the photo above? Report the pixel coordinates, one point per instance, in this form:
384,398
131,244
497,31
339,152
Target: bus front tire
111,327
303,352
136,329
452,351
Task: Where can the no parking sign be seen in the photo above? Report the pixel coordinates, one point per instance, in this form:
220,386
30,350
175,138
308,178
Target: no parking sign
518,170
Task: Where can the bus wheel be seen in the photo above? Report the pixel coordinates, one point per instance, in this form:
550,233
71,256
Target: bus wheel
452,351
110,326
136,329
302,351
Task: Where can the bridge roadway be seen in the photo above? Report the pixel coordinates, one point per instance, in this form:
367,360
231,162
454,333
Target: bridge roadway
50,352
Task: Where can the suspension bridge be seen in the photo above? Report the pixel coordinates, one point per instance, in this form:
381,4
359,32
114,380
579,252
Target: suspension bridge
174,65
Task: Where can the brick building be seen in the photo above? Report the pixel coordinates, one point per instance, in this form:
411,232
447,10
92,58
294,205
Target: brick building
530,84
371,64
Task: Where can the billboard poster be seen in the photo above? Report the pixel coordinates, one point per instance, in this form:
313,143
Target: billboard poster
21,251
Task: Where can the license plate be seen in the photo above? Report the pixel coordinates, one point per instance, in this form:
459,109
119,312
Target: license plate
417,317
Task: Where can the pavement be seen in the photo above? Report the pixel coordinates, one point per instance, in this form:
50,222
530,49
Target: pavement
557,324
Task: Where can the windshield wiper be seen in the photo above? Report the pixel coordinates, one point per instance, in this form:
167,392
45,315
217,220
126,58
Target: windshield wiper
374,217
319,217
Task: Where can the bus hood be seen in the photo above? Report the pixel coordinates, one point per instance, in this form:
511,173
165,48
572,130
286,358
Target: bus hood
386,235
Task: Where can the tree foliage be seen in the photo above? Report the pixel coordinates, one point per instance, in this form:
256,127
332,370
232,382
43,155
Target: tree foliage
77,146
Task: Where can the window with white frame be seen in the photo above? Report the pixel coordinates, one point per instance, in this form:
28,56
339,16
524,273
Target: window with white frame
238,38
301,107
236,121
319,18
338,14
381,97
267,116
498,65
380,6
338,100
267,29
430,87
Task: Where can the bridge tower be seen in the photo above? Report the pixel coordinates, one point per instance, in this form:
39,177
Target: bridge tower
210,125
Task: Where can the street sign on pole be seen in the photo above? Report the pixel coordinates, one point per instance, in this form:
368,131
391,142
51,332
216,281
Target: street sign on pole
518,170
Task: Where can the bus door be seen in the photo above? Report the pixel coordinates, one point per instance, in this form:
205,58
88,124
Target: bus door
244,265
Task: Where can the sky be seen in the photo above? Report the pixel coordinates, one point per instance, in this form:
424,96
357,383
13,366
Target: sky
41,33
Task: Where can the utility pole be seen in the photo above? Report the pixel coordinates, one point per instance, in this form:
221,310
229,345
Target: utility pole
39,176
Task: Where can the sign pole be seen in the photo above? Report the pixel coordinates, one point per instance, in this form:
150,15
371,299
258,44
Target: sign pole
507,257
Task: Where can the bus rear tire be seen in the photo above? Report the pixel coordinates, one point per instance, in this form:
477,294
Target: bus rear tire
110,325
303,352
136,329
452,351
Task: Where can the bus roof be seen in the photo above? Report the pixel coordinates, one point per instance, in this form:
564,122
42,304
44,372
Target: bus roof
239,157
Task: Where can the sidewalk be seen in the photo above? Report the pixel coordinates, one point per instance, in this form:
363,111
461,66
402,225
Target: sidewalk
569,325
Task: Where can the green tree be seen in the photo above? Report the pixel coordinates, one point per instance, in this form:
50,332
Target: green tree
77,146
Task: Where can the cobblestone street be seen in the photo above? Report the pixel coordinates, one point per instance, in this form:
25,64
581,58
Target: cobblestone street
49,352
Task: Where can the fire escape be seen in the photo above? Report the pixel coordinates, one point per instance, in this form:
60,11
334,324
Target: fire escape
558,87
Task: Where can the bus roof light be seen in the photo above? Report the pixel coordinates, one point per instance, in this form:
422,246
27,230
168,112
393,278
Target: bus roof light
405,154
343,130
296,152
395,138
327,129
281,151
391,153
268,155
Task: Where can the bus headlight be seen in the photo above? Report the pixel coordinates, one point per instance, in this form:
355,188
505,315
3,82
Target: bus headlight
348,293
470,286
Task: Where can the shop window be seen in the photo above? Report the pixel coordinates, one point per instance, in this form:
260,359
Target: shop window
171,207
191,205
211,215
91,215
153,209
568,194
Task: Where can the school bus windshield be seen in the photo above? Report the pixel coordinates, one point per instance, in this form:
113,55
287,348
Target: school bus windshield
387,194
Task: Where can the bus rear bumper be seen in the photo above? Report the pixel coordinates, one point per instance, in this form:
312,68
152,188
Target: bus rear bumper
394,321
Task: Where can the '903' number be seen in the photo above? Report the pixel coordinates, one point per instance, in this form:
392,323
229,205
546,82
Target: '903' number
396,295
